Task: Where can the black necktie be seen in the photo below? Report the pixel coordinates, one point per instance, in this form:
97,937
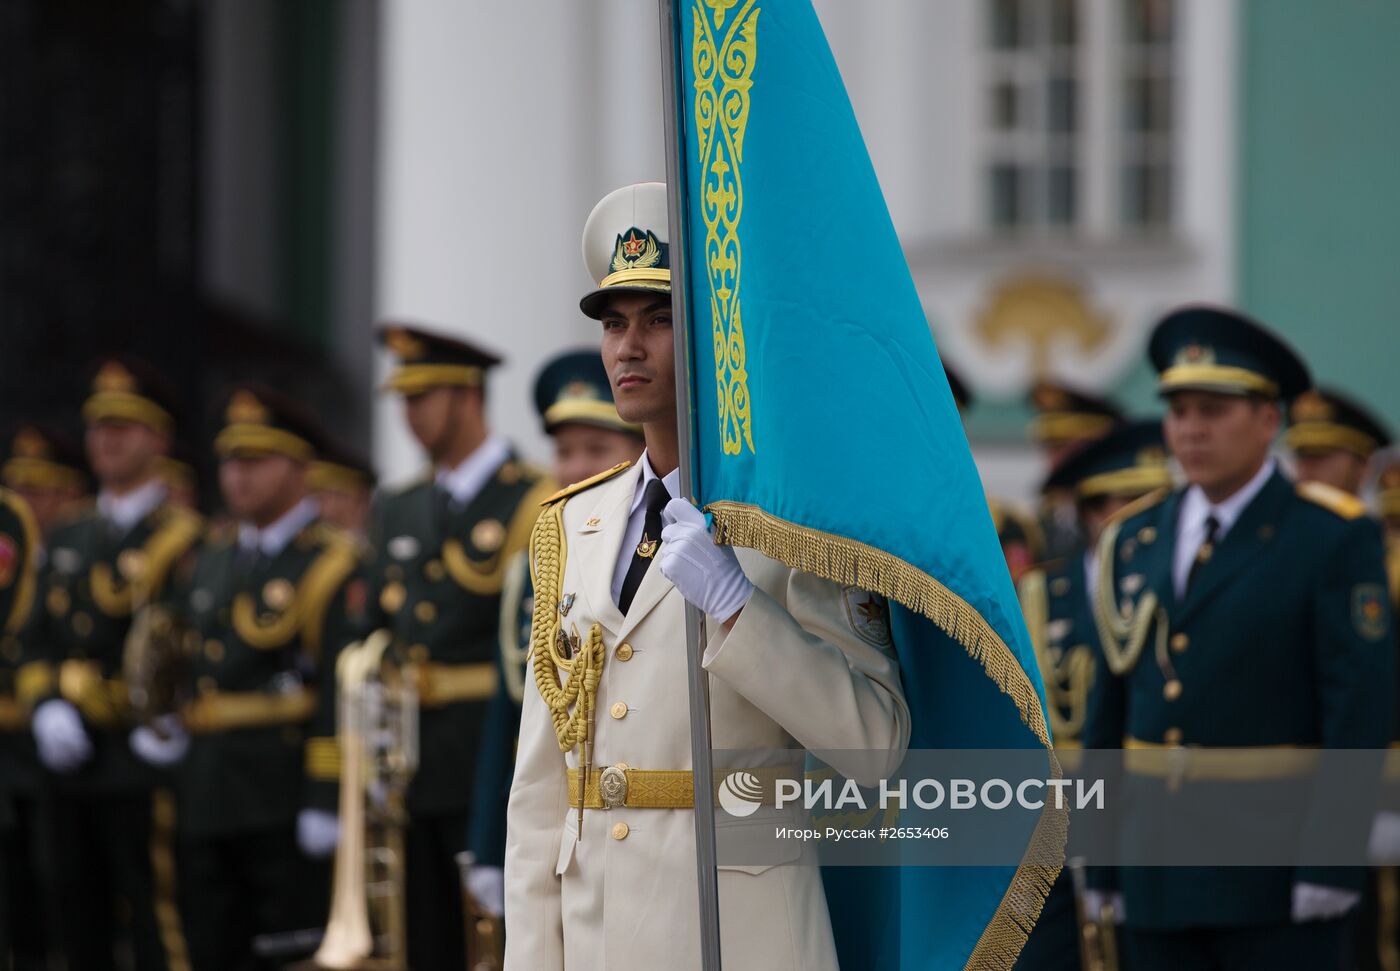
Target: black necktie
1206,551
655,498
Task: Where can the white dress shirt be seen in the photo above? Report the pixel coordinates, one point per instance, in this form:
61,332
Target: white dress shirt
274,537
636,520
1191,521
471,475
126,511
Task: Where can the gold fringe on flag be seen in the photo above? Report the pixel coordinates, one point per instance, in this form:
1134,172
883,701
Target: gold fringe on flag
856,564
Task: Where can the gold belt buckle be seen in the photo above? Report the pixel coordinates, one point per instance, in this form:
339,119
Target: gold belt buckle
612,785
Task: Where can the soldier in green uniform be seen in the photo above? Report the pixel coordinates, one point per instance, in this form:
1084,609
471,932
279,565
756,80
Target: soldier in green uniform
21,926
442,546
575,403
45,471
271,601
1103,477
1066,419
112,828
1332,439
1240,611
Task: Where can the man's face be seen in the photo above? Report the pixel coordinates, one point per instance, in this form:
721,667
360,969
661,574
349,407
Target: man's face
260,487
1220,440
432,416
639,355
1334,466
122,451
581,451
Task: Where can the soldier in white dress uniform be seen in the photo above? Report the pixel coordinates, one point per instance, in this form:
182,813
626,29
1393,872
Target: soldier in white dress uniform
794,662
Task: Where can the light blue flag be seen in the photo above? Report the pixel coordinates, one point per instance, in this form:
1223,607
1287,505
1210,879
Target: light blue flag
826,437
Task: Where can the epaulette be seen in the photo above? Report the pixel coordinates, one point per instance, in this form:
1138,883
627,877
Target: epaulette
1336,500
1140,504
588,483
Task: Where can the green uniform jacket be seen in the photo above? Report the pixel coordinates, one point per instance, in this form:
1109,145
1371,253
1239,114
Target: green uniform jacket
496,769
1284,638
263,716
74,649
436,583
19,541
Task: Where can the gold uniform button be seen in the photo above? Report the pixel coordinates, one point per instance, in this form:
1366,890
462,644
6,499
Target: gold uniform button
391,598
214,650
1180,642
623,652
1172,690
425,611
434,570
1172,736
1147,535
619,709
620,831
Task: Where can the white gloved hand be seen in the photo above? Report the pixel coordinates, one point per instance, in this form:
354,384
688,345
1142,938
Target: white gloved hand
708,576
1384,846
317,832
1096,900
59,735
487,885
162,743
1312,901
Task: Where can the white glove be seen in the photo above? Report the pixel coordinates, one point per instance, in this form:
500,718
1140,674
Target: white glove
487,885
162,743
317,832
1096,900
1384,846
59,735
707,575
1312,901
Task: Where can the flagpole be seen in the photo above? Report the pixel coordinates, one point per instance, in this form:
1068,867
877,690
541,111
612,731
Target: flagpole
702,765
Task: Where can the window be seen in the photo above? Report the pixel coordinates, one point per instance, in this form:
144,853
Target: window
1032,160
1048,167
1145,133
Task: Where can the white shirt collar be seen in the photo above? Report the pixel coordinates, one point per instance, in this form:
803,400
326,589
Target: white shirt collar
1196,508
126,511
672,482
274,537
473,472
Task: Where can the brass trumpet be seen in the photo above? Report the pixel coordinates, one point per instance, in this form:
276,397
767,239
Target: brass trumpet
378,735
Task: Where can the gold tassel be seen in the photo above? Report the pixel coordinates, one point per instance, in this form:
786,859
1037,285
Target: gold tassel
851,563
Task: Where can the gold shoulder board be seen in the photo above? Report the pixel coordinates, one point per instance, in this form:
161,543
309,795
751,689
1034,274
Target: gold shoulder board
1342,503
588,483
1140,504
